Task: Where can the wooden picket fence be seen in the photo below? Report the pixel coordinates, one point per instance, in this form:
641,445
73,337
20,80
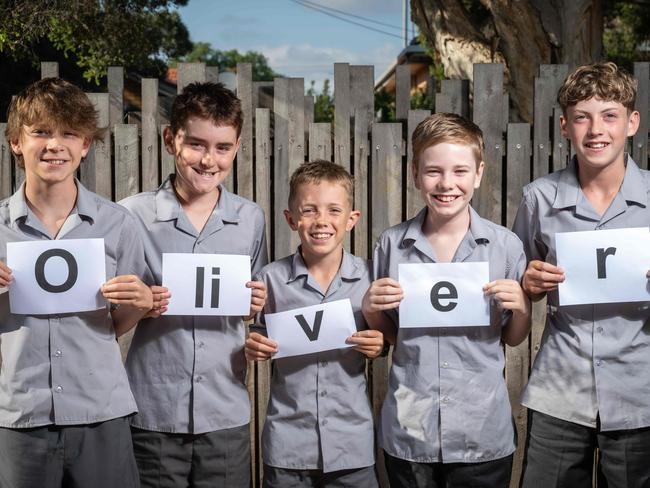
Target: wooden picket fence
131,158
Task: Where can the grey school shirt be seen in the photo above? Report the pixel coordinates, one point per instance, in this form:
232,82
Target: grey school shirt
594,360
318,414
188,373
66,369
447,399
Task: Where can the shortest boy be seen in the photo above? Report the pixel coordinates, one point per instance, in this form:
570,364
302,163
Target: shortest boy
319,429
446,420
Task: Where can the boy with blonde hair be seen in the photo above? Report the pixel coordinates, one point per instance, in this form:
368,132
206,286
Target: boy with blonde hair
64,394
446,420
319,428
584,389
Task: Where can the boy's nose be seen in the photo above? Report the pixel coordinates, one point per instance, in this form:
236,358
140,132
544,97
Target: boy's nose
53,143
596,126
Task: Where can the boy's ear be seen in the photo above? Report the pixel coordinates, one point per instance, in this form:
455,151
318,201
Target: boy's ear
86,146
353,218
16,146
414,174
479,174
168,138
633,123
292,223
563,129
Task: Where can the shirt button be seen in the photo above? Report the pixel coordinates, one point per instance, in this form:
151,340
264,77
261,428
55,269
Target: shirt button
445,399
600,330
323,363
58,353
445,364
58,389
324,422
323,393
199,379
201,344
598,362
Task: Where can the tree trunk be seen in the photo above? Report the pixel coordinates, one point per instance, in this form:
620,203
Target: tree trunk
521,34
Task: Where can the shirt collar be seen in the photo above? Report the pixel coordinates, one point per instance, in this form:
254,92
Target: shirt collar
168,207
85,206
568,192
349,269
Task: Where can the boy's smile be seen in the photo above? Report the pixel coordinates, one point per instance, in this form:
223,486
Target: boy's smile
204,155
447,175
321,213
51,155
598,130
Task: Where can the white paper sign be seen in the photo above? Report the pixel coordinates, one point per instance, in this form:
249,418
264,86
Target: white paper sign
604,266
59,276
306,330
444,294
207,284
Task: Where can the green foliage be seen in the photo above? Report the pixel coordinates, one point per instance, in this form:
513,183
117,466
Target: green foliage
323,102
227,60
97,34
385,106
627,28
421,100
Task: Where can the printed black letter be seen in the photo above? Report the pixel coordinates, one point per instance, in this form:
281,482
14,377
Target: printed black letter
601,257
312,334
436,296
39,270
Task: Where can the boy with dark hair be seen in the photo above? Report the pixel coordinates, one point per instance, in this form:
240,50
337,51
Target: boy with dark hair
584,389
188,372
318,430
64,394
446,420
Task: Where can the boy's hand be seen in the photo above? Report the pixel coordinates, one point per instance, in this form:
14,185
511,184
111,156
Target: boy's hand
647,275
509,295
128,290
369,342
383,294
541,277
5,275
258,297
259,348
161,296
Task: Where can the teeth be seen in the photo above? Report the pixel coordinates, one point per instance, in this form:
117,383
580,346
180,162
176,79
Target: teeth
320,236
204,173
54,161
597,145
446,198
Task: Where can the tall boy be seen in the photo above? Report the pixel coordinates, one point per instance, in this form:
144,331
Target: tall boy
319,429
64,394
188,373
586,387
446,419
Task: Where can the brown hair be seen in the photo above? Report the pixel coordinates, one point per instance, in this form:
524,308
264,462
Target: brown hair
54,103
321,170
445,127
604,81
208,100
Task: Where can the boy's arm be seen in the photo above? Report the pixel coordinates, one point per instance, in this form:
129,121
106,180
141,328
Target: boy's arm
384,294
5,275
133,298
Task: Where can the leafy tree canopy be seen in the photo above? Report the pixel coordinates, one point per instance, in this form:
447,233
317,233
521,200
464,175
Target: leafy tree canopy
227,60
96,33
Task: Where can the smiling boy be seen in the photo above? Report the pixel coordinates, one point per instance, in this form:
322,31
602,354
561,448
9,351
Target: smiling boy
188,372
446,419
319,429
586,389
64,394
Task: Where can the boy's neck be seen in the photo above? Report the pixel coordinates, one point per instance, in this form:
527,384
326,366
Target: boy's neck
323,268
197,207
51,203
446,235
600,185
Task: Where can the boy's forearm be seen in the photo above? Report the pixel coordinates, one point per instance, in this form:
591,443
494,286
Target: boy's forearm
518,328
379,321
125,318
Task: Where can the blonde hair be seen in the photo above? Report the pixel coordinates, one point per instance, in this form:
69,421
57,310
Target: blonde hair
604,81
53,103
317,171
445,127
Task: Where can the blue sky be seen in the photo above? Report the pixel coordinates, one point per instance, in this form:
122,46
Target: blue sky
299,41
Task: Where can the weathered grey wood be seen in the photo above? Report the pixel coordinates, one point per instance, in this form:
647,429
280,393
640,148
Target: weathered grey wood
5,164
386,188
453,97
189,73
167,160
640,140
342,114
150,178
96,170
212,74
320,141
245,184
488,115
115,78
289,153
544,101
127,169
49,69
402,91
413,200
309,110
517,358
363,103
560,144
263,149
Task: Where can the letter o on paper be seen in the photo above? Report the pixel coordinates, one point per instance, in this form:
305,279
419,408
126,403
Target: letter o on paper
436,296
73,270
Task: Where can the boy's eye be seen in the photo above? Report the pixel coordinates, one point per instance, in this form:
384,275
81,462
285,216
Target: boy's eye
610,115
308,211
335,211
